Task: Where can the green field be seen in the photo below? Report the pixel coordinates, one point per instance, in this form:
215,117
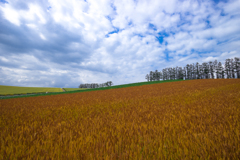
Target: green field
74,89
11,90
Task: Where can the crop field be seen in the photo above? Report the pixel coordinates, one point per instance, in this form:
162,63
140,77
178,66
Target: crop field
194,119
74,89
11,90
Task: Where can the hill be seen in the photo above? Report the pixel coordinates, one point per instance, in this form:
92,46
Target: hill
195,119
75,90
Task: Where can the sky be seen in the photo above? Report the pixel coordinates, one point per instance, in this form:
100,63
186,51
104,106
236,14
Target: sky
64,43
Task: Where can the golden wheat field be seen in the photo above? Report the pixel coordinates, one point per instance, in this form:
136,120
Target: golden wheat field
195,119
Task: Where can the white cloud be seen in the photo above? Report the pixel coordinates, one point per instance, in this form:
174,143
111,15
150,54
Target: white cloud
11,15
32,26
231,8
56,38
42,36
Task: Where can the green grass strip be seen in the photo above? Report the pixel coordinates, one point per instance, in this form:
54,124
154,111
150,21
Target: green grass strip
91,89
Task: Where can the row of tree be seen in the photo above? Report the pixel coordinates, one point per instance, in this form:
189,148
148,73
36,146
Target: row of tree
212,69
96,85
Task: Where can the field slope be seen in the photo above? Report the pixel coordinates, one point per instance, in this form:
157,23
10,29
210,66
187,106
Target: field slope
74,89
195,119
11,90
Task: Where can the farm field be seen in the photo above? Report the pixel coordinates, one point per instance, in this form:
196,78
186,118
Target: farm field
11,90
194,119
74,89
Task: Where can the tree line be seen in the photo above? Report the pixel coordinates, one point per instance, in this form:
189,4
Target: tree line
96,85
231,69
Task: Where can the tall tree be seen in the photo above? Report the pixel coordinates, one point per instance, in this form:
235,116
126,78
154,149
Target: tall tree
180,73
197,70
161,75
219,70
187,71
190,71
168,73
110,83
157,75
232,68
201,72
211,69
227,68
205,70
151,76
154,76
164,74
237,66
215,66
147,77
173,73
184,73
177,73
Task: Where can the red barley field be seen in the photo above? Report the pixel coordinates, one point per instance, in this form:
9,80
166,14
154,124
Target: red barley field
194,119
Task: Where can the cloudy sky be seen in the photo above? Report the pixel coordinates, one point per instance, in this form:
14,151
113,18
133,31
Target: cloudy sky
63,43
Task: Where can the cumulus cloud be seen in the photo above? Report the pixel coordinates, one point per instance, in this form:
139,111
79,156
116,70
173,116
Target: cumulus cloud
65,43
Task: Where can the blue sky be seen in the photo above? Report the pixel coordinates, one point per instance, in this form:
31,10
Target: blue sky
49,43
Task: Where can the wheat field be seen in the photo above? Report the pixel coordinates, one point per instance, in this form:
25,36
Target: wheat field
195,119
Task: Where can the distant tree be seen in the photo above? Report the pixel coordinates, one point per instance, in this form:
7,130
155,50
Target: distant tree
215,66
106,84
227,68
164,74
154,76
180,73
173,73
191,71
211,69
151,76
232,68
157,75
147,77
208,70
197,70
110,83
200,71
161,75
237,66
170,73
219,70
194,72
96,85
176,73
185,73
205,70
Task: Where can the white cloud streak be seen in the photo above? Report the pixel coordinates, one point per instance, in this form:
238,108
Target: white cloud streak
73,42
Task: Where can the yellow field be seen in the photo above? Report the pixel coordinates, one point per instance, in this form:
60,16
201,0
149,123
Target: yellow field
11,90
195,119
